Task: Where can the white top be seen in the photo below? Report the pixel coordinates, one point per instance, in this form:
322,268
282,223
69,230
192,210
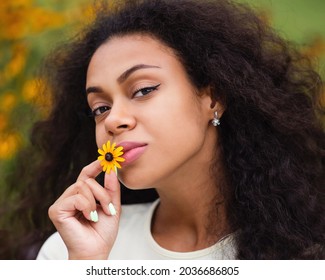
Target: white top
135,241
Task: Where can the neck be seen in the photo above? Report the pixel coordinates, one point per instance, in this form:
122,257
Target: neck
189,216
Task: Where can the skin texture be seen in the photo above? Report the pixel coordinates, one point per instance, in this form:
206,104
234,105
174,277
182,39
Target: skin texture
155,105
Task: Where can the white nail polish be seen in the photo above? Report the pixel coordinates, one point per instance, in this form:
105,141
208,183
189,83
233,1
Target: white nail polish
94,216
112,209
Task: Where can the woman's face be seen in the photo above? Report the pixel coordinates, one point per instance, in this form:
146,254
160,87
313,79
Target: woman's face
143,100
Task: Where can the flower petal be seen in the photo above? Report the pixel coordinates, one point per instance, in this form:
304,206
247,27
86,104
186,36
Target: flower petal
119,149
101,158
108,146
117,154
113,146
109,168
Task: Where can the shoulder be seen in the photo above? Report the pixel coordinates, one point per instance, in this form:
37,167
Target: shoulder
134,231
53,249
131,210
135,216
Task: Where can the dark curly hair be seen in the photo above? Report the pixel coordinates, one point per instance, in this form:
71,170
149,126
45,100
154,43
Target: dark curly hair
271,134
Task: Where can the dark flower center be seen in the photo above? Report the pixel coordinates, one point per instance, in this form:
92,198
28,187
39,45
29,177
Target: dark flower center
109,157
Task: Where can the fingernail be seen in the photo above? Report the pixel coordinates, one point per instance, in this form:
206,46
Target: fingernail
112,209
94,216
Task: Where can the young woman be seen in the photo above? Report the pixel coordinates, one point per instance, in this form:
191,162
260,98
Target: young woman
215,112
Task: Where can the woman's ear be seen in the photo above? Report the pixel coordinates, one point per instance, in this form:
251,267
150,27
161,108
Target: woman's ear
211,103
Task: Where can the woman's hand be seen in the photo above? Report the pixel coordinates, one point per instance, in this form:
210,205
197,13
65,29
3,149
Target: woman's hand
74,214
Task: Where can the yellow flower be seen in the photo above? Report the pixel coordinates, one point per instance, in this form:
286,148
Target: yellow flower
110,156
9,144
7,101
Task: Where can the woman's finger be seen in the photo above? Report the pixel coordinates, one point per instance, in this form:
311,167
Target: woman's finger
69,206
92,170
112,185
101,194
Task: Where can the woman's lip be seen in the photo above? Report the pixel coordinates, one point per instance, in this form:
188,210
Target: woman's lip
132,151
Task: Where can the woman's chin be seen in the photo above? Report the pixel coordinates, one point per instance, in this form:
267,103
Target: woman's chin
133,184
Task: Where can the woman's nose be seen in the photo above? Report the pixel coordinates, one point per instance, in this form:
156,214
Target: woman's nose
119,120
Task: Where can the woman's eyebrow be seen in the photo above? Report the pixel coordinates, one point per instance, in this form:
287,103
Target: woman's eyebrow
131,70
94,90
122,77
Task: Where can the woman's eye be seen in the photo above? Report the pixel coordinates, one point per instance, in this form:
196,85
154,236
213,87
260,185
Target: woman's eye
144,91
100,110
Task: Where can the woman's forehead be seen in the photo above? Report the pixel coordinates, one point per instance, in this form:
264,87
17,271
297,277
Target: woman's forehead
123,52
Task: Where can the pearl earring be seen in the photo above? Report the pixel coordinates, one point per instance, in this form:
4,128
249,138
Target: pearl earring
215,121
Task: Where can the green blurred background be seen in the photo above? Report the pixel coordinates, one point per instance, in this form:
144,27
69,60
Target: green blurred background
30,28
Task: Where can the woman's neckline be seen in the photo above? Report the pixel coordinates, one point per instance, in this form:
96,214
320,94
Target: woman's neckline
218,248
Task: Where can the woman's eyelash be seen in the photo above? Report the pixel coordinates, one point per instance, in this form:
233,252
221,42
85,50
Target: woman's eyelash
146,90
100,110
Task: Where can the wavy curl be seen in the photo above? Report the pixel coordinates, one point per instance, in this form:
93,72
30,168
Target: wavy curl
271,135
